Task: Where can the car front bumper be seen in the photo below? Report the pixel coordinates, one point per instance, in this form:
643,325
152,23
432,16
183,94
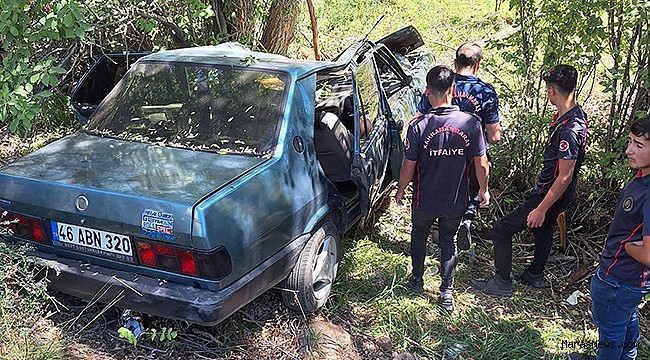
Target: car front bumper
164,298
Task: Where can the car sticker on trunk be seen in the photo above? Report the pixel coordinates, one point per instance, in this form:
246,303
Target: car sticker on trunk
158,224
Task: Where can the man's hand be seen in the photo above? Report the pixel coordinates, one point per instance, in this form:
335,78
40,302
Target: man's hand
398,196
484,197
536,218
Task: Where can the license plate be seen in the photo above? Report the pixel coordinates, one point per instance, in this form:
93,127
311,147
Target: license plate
92,241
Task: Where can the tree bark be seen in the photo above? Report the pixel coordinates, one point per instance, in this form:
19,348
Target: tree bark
280,26
243,20
314,28
219,18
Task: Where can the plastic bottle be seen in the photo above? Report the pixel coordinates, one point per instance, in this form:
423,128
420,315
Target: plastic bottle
454,352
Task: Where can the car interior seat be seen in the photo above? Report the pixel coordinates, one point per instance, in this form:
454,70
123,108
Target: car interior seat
334,144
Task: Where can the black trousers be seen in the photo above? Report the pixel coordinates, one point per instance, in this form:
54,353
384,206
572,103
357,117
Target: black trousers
515,222
448,226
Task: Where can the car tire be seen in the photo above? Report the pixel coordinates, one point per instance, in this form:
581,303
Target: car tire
308,286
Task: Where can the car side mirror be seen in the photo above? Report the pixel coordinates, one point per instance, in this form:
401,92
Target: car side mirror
400,125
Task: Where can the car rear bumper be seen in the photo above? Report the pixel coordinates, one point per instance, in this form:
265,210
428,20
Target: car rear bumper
167,299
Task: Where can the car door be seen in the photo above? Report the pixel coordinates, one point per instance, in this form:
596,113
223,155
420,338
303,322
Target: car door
98,81
371,134
401,102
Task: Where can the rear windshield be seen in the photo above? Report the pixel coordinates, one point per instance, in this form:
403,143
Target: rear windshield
222,109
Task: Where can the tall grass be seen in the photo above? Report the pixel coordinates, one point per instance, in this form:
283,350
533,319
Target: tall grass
25,333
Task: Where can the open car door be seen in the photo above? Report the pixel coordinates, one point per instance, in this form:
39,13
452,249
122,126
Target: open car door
97,82
372,140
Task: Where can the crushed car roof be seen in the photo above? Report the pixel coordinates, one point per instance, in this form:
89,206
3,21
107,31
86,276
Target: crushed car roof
237,55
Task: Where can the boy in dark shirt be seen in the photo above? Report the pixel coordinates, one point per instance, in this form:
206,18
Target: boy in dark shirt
554,187
438,148
622,278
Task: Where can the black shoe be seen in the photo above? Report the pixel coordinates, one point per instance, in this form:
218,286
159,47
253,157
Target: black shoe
536,281
447,300
578,356
416,285
463,237
496,285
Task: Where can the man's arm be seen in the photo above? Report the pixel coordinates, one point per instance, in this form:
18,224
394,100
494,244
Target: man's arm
537,216
639,250
482,167
493,132
405,176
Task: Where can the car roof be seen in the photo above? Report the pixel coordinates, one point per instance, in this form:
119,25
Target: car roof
235,54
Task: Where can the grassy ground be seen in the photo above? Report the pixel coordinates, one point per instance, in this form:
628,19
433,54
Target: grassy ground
532,324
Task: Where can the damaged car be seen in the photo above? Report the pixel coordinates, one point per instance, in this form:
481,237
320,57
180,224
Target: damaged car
203,177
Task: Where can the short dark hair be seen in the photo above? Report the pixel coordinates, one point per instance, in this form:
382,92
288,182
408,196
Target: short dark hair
468,54
641,127
564,77
439,79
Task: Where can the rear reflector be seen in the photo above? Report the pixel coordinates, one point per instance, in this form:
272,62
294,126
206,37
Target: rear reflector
213,265
26,227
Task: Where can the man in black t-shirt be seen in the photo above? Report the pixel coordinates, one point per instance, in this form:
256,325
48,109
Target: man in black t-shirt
554,187
438,148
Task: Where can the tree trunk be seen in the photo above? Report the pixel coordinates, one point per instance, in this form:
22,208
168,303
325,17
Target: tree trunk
314,28
242,22
280,26
219,18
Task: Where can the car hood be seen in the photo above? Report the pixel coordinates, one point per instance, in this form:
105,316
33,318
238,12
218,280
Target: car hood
141,170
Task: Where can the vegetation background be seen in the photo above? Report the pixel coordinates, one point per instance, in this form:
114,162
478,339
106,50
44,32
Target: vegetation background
47,45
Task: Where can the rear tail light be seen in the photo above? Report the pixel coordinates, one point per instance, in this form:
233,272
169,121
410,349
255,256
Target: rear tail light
25,227
214,265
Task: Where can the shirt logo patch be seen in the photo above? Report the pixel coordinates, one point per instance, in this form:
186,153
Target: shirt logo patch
407,144
564,145
628,203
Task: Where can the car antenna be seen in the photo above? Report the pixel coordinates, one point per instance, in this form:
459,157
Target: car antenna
374,26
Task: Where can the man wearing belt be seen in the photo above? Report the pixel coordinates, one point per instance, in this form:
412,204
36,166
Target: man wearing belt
438,147
475,96
554,187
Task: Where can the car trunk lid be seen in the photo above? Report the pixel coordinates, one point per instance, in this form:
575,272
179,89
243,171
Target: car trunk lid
130,188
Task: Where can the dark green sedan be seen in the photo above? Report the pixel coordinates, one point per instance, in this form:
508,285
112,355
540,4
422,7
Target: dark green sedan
202,177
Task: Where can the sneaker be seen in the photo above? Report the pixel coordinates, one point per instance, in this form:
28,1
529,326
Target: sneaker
578,356
416,285
532,280
463,237
496,285
447,300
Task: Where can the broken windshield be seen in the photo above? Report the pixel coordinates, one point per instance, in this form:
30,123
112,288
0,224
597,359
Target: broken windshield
222,109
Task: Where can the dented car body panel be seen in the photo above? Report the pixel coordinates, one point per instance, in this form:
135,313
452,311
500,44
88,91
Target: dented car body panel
191,208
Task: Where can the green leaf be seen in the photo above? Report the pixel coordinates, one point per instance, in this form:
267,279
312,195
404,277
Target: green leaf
68,20
34,78
125,333
27,124
13,125
44,94
57,70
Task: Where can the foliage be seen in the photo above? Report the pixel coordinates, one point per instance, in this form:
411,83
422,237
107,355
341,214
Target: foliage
127,334
23,303
166,336
608,44
30,67
46,46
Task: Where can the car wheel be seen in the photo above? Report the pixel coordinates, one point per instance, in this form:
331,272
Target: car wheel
308,286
